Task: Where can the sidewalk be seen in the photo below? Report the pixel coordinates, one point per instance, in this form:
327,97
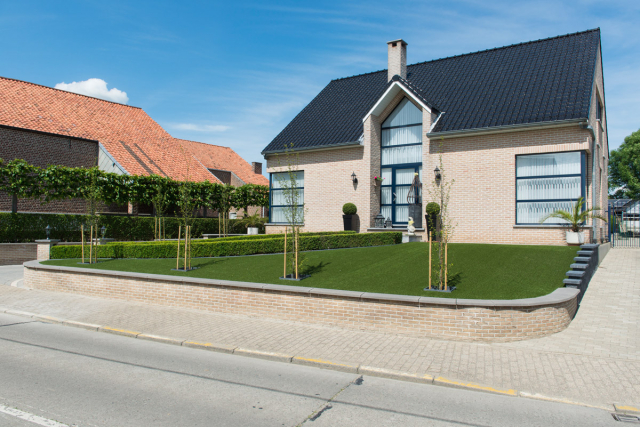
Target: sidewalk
595,361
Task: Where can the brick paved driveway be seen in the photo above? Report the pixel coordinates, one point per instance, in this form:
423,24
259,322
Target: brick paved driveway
595,361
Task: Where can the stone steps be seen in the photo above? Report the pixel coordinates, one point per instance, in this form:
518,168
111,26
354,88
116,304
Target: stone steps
572,283
575,274
579,266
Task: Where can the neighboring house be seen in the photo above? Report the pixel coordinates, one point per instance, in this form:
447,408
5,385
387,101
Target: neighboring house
49,126
521,129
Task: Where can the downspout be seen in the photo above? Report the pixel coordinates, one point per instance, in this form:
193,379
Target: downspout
594,147
594,181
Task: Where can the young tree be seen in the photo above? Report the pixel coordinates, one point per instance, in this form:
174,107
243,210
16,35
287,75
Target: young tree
294,208
624,169
440,192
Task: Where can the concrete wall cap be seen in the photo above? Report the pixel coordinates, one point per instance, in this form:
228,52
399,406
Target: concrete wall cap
336,293
437,301
284,288
556,297
391,297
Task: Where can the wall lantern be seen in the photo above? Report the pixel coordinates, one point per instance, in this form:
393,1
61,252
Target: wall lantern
48,230
436,171
387,223
379,221
103,230
353,178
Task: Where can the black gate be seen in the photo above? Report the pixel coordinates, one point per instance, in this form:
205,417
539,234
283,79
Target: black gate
624,223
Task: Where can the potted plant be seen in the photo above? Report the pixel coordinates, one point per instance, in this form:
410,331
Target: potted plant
431,218
574,220
252,223
377,180
349,210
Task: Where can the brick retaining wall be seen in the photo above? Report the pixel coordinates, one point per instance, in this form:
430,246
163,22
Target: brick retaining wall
410,315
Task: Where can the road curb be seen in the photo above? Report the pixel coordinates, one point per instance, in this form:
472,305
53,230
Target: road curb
326,364
395,375
47,319
209,346
539,396
160,339
87,326
117,331
278,357
474,386
319,363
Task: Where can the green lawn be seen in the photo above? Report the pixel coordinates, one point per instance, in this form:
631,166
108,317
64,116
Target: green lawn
485,271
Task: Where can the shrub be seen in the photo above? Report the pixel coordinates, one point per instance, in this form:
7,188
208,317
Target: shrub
433,208
349,209
231,247
22,227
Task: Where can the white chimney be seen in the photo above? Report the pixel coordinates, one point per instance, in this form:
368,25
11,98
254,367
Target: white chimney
397,59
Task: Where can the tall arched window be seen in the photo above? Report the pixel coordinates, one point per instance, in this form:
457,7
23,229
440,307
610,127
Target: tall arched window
401,158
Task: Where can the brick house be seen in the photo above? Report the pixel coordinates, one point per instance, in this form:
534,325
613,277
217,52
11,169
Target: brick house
521,129
46,126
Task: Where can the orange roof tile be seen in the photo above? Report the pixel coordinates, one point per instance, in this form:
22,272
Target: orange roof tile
223,158
133,138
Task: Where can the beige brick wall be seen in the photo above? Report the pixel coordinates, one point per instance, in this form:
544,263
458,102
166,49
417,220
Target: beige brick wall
410,318
17,253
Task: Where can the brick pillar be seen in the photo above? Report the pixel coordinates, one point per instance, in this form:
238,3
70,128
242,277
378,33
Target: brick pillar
132,209
44,249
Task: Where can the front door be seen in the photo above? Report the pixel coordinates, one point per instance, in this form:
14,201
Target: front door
395,190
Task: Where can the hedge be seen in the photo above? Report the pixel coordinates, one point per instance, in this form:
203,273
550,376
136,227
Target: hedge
201,248
22,227
243,237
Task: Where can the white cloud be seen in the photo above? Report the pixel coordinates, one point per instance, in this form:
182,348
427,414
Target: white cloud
96,88
200,128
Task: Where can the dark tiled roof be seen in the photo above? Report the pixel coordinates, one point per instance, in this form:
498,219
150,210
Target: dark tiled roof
538,81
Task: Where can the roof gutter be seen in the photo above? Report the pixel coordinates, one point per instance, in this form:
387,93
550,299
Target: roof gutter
505,128
316,148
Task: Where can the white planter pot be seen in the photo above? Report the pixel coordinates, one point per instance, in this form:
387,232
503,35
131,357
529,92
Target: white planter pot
575,238
252,230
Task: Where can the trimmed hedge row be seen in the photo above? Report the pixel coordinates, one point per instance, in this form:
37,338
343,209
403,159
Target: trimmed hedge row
243,237
266,245
23,228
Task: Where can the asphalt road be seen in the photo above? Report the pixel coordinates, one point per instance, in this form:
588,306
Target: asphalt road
52,374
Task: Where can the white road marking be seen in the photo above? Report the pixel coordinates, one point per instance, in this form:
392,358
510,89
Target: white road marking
15,283
30,417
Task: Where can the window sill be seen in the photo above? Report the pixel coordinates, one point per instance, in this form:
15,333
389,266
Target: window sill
281,224
546,226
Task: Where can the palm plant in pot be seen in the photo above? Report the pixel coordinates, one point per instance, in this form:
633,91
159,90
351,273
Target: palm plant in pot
349,210
574,220
251,223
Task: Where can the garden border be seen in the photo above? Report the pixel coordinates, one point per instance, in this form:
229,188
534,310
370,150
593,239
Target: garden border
462,319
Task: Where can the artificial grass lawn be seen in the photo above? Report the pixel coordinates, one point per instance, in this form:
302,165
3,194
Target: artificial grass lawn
486,271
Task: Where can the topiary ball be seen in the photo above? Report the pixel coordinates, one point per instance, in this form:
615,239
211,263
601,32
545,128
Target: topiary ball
349,209
433,208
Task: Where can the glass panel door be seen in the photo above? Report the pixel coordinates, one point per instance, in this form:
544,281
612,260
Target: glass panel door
394,193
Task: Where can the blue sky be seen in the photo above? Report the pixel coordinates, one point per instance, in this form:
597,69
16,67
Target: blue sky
235,73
